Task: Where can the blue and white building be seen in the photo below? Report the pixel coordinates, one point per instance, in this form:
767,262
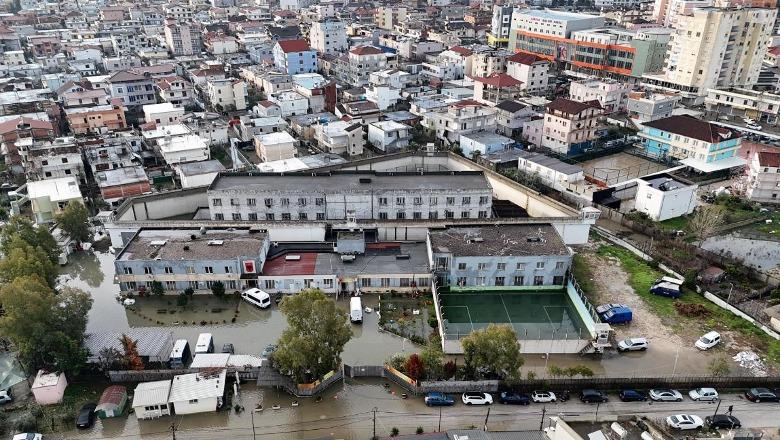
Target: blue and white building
698,144
295,56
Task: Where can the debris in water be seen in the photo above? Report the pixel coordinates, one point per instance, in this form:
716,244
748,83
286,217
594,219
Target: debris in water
751,362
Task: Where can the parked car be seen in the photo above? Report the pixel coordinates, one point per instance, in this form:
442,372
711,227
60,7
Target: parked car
439,399
617,315
268,351
593,396
708,341
477,398
684,421
632,344
761,395
228,348
704,394
754,126
606,307
6,397
722,421
667,289
86,416
509,398
543,396
632,396
28,436
663,395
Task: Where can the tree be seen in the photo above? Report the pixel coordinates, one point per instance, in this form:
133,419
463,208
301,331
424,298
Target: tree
23,260
74,220
157,288
576,370
317,331
109,359
719,367
414,367
705,220
37,237
432,356
47,329
492,352
133,360
555,371
218,288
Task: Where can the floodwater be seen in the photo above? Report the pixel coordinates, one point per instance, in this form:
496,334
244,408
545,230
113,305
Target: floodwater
763,255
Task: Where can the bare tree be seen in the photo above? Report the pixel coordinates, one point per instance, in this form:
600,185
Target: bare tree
705,220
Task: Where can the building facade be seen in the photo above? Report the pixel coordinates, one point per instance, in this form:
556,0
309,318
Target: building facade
328,37
570,127
763,182
687,138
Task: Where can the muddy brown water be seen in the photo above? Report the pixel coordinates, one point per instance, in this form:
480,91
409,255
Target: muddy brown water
346,410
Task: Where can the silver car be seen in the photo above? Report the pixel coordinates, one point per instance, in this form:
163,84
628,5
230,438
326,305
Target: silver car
664,395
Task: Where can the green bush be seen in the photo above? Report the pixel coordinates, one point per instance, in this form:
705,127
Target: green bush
419,430
394,432
27,423
182,300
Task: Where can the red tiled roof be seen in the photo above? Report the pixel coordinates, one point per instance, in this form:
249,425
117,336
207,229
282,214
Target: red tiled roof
769,159
11,124
467,103
688,126
365,50
289,46
498,80
571,107
281,266
525,58
266,103
461,50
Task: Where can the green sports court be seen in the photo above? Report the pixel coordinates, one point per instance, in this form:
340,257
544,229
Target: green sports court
534,315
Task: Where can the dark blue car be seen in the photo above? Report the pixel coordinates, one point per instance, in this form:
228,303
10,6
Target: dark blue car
509,398
439,399
632,396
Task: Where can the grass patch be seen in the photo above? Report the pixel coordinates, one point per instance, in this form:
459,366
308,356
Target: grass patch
675,224
582,273
641,277
771,229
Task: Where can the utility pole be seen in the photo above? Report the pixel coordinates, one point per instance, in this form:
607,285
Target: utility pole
717,407
486,418
374,436
439,430
541,422
254,436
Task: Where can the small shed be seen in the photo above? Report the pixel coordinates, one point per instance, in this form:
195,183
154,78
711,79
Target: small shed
113,402
711,275
48,388
150,399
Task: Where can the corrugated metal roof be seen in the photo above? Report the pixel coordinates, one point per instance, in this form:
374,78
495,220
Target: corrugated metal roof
152,343
151,393
192,386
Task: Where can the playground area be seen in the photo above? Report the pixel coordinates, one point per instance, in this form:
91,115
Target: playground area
534,315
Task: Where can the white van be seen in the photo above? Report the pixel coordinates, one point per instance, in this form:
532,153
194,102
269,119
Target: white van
257,298
205,344
356,310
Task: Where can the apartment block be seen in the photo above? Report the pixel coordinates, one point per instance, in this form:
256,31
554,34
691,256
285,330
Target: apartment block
328,37
570,127
763,181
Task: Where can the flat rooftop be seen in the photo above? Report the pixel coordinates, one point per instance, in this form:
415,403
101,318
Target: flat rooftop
499,240
351,181
664,182
379,258
179,244
202,167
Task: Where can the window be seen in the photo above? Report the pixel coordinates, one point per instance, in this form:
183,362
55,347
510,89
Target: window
269,216
433,201
228,269
538,280
464,214
482,214
449,214
301,201
253,216
148,270
417,215
170,285
540,264
499,281
208,269
560,265
483,200
320,216
319,201
269,202
404,282
234,202
365,282
480,281
216,202
193,401
482,266
129,270
558,280
433,215
190,269
519,280
461,281
400,215
418,200
303,216
236,216
520,266
450,200
466,201
500,266
461,266
382,216
286,216
383,201
400,201
384,282
270,284
168,269
285,201
251,202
